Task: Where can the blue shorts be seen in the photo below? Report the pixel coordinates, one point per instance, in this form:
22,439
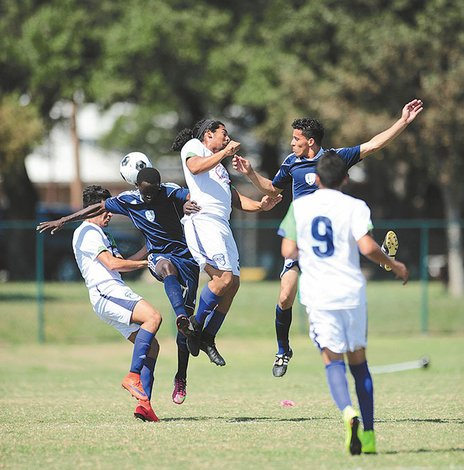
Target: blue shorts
189,272
289,263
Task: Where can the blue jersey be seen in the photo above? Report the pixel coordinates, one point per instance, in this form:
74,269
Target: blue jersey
301,172
158,221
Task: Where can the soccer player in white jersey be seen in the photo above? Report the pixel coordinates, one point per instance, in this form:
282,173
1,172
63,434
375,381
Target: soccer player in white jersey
208,233
332,228
114,302
298,170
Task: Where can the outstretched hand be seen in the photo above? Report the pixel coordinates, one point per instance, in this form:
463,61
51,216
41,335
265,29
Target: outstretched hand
411,110
242,165
52,225
400,270
268,202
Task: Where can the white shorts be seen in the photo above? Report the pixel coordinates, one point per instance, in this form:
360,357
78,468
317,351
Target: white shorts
210,240
114,303
340,331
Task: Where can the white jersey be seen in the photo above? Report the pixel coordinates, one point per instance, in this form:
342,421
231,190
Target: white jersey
211,189
89,241
329,224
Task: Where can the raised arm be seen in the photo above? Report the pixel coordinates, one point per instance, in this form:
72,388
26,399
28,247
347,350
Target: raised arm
242,165
197,164
244,203
408,114
371,250
86,213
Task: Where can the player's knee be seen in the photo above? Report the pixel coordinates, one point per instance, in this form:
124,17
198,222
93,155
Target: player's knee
225,282
165,268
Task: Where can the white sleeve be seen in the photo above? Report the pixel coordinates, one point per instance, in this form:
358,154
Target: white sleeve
191,149
92,243
361,222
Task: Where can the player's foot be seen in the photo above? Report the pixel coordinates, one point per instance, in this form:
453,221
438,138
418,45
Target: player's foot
180,391
353,431
183,325
145,412
133,385
390,246
368,442
209,347
193,340
281,363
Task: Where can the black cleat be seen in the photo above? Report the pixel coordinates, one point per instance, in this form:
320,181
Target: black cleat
281,363
212,353
194,338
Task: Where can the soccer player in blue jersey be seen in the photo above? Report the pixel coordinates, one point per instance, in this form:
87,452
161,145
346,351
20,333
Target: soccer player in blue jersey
155,208
298,170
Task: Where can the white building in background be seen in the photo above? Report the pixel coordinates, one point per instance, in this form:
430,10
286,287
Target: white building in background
51,166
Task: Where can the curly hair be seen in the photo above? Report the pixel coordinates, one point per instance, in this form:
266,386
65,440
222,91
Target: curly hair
93,194
197,132
310,128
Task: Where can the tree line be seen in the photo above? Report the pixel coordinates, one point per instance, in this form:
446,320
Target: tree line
257,65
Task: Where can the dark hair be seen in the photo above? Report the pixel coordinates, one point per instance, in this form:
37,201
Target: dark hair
197,132
331,169
93,194
149,175
310,128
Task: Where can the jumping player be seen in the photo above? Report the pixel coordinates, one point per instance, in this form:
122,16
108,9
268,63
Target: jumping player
299,171
208,233
155,209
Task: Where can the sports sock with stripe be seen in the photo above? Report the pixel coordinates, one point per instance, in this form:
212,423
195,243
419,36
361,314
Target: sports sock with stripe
141,347
174,292
208,302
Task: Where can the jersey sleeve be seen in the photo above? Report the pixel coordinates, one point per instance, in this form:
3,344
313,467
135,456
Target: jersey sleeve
93,243
177,193
287,228
350,155
283,177
116,205
192,148
361,222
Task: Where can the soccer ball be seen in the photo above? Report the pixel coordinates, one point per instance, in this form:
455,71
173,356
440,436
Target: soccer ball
131,164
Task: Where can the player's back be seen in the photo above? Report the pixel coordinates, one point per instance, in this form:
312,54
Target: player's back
158,221
329,223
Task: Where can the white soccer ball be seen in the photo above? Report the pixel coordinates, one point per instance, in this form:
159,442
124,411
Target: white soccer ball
131,164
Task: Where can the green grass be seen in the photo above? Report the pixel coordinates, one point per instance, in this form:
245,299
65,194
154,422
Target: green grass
62,405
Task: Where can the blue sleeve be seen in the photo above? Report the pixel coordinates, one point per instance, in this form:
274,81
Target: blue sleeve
350,155
116,206
283,177
179,194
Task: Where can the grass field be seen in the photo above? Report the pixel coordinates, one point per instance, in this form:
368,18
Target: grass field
62,406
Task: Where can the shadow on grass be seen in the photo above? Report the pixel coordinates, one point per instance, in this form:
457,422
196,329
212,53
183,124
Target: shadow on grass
244,419
423,451
422,420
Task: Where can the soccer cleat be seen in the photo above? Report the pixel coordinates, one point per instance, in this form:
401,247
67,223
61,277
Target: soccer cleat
212,352
368,442
281,363
180,391
193,340
133,385
183,325
145,412
353,431
390,246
